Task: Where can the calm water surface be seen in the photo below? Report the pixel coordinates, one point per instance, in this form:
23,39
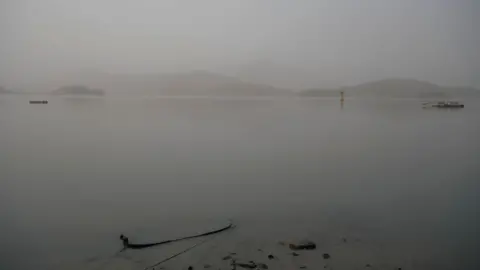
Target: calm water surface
77,172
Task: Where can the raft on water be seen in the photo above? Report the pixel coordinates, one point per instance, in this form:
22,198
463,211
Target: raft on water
38,102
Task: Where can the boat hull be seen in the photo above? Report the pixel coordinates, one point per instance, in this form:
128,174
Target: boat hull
449,106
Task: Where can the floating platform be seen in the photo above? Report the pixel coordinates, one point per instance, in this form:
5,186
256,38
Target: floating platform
38,102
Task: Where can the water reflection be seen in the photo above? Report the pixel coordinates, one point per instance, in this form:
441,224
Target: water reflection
81,170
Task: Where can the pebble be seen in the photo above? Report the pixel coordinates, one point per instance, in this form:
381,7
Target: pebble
295,254
190,268
303,267
250,265
303,245
271,257
262,265
326,256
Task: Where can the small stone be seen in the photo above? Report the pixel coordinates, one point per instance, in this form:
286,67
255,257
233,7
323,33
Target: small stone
303,267
294,254
399,268
249,265
344,240
190,268
309,245
262,265
260,250
326,256
368,265
228,257
281,243
271,257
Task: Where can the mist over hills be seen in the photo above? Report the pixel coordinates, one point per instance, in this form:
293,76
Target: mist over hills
204,83
78,90
195,83
400,88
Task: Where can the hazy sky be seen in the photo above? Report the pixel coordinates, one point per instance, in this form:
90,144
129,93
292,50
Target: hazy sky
287,43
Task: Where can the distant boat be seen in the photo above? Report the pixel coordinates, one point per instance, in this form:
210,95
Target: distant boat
38,102
445,104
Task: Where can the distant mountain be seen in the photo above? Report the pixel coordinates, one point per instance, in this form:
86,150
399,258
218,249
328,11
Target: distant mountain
400,88
78,90
278,74
195,83
319,92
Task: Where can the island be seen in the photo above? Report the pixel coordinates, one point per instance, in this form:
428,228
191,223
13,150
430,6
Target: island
3,90
78,90
192,83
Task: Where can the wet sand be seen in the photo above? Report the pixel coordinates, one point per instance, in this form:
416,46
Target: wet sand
255,242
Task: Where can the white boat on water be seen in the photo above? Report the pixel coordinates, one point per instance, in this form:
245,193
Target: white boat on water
445,104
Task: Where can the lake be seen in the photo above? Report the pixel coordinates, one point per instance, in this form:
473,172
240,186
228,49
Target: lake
380,182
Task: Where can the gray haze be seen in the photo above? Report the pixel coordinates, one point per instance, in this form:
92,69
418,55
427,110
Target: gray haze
291,44
77,172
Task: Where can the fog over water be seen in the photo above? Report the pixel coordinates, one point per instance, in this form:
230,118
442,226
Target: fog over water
78,171
161,119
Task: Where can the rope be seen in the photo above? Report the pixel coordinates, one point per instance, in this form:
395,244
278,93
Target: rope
107,262
186,250
177,254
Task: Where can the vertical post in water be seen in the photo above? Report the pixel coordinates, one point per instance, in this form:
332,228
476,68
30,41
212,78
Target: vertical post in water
341,99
